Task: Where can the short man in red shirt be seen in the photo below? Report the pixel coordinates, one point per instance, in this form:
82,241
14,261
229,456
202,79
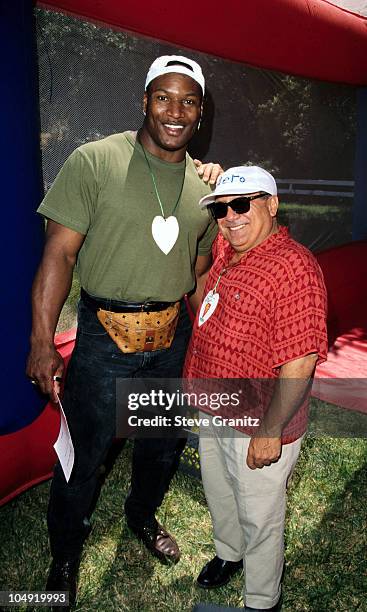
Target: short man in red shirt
263,318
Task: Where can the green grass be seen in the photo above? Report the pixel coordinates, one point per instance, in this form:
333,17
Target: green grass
330,420
316,210
325,534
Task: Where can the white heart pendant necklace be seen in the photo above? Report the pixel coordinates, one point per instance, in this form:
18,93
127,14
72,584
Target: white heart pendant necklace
164,230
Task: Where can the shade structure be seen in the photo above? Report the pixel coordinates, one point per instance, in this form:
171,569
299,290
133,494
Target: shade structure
311,38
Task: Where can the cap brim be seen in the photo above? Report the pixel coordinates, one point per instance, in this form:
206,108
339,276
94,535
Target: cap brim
250,188
206,200
154,74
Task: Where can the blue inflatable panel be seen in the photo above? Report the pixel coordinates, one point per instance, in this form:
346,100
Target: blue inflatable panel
21,191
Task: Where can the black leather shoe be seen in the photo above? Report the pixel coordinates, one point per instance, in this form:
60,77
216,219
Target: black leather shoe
63,576
217,572
158,541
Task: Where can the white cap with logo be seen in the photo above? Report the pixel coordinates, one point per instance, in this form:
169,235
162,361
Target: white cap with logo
241,180
175,63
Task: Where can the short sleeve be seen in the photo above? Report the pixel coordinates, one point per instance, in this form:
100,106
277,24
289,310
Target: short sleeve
71,200
300,317
207,239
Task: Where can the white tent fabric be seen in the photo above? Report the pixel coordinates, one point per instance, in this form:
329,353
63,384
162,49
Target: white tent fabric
355,6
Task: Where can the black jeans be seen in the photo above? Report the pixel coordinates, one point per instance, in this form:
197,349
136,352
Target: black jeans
89,403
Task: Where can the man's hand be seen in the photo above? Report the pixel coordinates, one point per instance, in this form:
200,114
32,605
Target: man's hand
263,451
208,172
44,362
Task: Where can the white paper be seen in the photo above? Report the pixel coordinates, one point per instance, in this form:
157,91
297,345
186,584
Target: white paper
64,446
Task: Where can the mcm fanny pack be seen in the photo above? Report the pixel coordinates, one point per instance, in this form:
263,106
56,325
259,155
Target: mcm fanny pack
136,332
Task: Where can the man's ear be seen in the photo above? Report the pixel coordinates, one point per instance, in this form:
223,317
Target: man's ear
145,103
273,204
201,116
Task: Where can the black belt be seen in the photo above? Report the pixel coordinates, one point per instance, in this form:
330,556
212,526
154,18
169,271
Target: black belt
95,303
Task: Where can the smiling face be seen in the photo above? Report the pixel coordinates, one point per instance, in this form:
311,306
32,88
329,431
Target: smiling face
173,105
247,230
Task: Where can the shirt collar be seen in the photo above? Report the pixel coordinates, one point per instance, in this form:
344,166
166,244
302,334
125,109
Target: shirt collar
269,244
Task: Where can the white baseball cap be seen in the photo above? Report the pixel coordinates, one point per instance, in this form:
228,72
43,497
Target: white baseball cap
175,63
241,180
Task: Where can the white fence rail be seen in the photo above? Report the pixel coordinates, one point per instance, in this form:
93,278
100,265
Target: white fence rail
312,187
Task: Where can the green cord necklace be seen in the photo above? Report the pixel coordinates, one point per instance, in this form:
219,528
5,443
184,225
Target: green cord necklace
165,230
156,188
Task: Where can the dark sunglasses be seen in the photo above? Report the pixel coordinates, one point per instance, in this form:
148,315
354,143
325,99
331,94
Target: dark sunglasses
239,205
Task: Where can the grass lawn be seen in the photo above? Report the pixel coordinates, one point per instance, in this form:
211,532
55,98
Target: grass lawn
317,210
325,535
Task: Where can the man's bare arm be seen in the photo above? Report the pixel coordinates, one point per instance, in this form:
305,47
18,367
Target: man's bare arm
202,267
291,389
50,289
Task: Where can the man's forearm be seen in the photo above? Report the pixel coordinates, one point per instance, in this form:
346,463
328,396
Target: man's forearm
291,391
50,290
289,395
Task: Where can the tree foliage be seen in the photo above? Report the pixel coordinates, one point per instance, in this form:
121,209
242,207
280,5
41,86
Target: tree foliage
312,125
92,81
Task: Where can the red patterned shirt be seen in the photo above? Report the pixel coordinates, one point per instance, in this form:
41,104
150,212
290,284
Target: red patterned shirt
271,310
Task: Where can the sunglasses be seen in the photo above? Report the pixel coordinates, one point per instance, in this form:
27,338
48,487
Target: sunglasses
239,205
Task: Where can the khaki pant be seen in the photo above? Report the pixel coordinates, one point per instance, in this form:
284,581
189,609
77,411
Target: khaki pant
247,509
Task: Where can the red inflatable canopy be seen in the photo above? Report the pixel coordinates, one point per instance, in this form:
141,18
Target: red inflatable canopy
310,38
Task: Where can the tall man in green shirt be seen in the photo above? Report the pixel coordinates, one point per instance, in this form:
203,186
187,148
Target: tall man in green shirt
124,210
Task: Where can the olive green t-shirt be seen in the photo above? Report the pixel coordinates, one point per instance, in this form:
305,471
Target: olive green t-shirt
105,191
